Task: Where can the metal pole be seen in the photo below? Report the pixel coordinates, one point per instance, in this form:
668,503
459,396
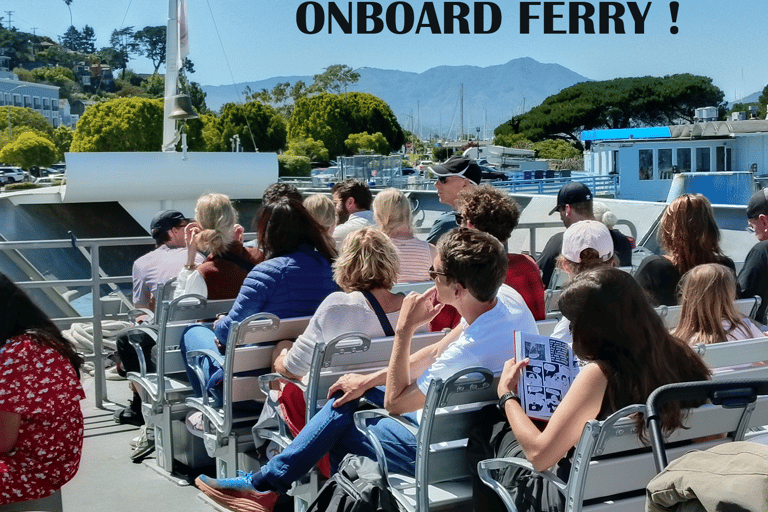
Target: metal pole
99,378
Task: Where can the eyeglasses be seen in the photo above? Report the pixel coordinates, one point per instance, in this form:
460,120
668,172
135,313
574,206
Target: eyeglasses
459,218
434,273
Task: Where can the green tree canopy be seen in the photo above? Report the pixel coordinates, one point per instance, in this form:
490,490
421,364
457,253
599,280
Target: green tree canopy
364,142
28,150
62,139
25,117
128,124
58,75
268,128
151,44
311,148
334,79
618,103
332,118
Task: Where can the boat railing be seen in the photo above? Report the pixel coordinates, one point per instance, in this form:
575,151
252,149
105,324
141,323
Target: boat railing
97,281
601,185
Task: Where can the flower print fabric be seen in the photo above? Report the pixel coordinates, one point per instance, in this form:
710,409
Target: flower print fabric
40,385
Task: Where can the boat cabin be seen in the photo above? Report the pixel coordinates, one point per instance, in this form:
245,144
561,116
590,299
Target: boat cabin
719,159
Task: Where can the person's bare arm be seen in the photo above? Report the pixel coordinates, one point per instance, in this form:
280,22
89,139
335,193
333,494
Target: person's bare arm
581,403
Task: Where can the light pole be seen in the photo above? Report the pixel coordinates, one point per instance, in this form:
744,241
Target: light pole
10,134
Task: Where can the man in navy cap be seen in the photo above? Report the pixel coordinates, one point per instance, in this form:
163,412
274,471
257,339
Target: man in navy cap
453,176
753,277
574,203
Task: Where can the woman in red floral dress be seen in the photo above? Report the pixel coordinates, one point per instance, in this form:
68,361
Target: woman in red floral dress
41,424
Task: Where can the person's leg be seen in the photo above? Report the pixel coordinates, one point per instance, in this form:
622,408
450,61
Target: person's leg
196,337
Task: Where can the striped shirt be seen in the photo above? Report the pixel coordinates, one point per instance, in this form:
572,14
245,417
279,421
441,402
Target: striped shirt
416,257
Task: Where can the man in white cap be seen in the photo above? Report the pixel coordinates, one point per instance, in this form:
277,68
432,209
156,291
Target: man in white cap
453,176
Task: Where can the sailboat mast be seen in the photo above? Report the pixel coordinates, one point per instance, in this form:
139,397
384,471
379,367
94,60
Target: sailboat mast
462,112
171,75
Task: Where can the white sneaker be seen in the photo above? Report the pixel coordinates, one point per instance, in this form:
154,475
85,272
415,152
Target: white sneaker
144,446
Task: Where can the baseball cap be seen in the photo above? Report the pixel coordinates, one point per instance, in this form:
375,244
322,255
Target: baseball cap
459,166
165,221
758,204
573,192
587,234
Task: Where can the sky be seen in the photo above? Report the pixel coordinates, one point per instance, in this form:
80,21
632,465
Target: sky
234,41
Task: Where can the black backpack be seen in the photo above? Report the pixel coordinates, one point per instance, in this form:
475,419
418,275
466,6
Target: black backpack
358,486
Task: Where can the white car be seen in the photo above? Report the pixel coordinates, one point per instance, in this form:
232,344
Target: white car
11,175
50,179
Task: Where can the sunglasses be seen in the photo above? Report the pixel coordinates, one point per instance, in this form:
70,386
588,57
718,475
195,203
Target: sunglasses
459,218
434,273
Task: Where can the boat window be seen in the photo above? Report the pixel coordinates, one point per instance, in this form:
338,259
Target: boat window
702,160
720,163
664,163
645,159
684,159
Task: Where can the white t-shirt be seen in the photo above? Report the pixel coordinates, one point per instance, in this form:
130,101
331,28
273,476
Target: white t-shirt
488,342
356,221
745,331
338,314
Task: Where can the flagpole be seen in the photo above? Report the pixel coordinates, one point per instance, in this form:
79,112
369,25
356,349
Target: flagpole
171,75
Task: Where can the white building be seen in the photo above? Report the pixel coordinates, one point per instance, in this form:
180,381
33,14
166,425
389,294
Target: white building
39,97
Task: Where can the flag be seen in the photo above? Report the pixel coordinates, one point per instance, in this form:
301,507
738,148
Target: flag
183,32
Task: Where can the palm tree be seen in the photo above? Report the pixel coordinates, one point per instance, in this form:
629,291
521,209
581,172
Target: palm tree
68,2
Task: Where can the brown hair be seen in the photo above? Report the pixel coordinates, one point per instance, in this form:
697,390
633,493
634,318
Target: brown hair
217,218
474,259
689,234
590,259
368,260
19,315
614,325
355,189
285,224
707,295
489,210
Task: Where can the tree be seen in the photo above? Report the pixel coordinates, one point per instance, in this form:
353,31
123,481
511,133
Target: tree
62,139
69,2
363,142
555,150
123,43
332,118
618,103
26,117
71,38
87,40
254,123
335,79
58,75
311,148
124,124
154,86
151,43
29,150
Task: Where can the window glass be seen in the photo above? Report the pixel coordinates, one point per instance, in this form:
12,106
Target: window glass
684,159
702,160
645,160
664,163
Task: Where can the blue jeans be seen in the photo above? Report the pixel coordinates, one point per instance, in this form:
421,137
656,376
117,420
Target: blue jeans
333,430
195,337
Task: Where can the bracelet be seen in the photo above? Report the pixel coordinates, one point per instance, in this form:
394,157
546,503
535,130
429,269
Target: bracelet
509,395
190,267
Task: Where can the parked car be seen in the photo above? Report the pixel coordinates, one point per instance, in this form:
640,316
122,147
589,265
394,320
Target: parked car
11,175
491,174
51,179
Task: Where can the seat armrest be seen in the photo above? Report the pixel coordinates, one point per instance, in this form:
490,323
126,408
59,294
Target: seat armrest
361,422
193,360
485,467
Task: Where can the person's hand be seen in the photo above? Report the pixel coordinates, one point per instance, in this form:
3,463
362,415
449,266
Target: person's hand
511,375
191,238
418,309
352,385
239,231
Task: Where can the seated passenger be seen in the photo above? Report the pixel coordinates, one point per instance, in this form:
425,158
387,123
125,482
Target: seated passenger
322,209
708,314
689,235
493,211
392,213
216,231
41,423
352,199
468,271
587,245
630,354
365,269
293,281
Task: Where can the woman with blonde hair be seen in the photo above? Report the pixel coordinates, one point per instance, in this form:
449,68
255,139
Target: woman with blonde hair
689,235
392,213
321,207
708,314
216,231
366,269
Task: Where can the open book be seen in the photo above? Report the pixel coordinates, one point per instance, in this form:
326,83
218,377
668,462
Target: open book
547,377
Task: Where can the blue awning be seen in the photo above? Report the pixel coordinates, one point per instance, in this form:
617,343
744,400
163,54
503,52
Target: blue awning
655,132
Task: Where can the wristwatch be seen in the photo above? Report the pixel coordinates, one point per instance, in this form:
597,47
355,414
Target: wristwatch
509,395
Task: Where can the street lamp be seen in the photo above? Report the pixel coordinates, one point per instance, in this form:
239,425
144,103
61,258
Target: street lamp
9,107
